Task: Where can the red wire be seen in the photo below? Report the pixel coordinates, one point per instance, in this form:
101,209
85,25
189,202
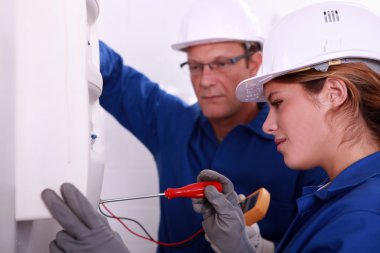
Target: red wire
168,244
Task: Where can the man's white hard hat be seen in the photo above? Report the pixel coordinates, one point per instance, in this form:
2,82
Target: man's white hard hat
320,34
210,21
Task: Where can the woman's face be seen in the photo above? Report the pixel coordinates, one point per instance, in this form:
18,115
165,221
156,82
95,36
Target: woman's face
298,122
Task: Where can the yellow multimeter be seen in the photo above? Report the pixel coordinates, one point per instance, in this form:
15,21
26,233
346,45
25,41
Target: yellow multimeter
255,206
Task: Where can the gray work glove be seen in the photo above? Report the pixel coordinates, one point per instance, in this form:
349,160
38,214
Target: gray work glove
260,244
84,229
253,232
223,219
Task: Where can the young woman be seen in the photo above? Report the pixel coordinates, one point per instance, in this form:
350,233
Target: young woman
322,83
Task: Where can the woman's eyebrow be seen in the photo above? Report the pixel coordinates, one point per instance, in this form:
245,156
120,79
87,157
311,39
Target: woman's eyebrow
271,94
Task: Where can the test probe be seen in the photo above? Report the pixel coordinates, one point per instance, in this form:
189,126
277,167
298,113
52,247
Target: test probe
195,190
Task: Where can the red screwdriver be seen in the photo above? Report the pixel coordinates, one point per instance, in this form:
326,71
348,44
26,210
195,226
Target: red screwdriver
195,190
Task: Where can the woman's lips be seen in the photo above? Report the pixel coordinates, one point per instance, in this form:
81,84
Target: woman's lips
279,141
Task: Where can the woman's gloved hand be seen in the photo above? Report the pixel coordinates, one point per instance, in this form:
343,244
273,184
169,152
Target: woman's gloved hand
223,219
84,229
260,244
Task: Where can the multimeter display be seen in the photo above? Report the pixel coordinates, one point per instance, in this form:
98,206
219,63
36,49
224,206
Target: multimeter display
248,203
255,206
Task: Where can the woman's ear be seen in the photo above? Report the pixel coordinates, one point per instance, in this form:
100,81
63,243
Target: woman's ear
335,91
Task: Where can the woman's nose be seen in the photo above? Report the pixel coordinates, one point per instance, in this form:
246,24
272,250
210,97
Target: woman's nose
270,125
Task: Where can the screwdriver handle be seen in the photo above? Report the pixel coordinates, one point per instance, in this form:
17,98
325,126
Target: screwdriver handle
195,190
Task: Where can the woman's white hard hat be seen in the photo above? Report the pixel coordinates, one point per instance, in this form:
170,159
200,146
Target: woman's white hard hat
211,21
320,34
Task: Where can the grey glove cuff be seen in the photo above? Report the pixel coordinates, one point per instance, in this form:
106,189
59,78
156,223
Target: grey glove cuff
245,246
226,228
223,218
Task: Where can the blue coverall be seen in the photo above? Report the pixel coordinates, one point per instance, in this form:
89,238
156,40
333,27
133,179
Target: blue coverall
183,143
343,217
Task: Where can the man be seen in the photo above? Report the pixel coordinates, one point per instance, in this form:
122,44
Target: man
220,38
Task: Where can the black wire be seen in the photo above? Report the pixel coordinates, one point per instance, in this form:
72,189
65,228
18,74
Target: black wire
125,218
184,245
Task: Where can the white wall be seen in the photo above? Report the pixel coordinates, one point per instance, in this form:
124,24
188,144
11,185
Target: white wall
142,32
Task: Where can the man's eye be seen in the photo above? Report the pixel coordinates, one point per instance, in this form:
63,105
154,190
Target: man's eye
194,67
220,64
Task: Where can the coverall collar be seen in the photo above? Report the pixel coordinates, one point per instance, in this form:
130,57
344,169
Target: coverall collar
255,125
352,176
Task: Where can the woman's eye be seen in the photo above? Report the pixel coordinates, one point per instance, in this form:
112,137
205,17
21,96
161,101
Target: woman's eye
276,103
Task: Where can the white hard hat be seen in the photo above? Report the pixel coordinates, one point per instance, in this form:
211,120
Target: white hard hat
320,33
210,21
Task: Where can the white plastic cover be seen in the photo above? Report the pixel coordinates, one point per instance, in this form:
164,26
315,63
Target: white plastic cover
53,125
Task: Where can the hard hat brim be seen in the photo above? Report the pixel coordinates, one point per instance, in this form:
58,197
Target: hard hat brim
252,89
184,45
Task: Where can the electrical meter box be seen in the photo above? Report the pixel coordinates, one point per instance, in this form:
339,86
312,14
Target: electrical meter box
57,84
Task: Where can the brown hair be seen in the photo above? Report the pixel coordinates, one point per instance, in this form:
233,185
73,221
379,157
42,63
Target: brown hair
250,48
363,101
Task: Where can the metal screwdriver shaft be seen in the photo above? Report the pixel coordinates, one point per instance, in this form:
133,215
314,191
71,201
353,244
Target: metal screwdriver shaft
131,198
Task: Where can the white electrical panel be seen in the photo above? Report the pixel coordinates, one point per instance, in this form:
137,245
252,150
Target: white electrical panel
57,85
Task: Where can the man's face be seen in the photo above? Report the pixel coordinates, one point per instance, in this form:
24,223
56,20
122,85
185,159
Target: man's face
215,88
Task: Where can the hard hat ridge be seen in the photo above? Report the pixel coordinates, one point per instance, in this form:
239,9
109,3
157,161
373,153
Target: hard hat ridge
211,21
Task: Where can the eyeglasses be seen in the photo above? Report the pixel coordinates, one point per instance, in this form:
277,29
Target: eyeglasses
220,66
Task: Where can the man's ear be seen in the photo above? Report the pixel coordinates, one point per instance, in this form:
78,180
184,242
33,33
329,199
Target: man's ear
335,91
255,62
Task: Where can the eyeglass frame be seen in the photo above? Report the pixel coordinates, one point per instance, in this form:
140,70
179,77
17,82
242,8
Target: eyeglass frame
231,61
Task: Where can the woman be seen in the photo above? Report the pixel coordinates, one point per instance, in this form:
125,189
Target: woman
322,83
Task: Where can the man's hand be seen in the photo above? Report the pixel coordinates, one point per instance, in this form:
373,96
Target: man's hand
84,229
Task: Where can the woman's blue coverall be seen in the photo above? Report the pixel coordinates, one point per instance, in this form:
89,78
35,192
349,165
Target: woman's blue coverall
342,217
